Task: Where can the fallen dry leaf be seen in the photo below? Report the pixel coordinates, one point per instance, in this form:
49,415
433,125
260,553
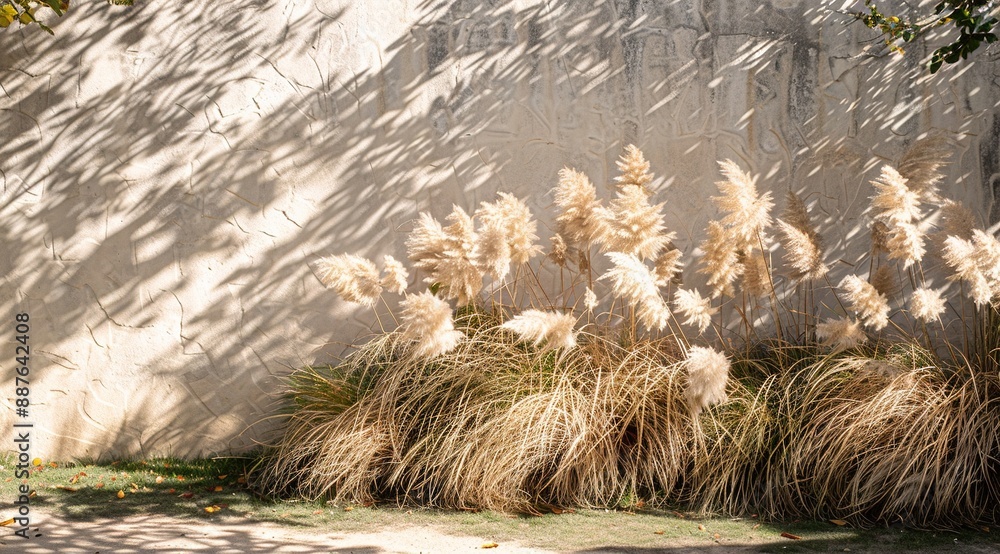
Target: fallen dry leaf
791,536
121,494
7,522
317,512
212,509
838,522
241,480
658,532
187,495
678,514
755,527
701,527
180,477
217,488
159,479
348,508
716,536
223,476
67,489
53,464
489,545
99,486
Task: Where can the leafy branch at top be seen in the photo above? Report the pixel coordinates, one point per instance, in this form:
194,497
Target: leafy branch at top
973,19
24,11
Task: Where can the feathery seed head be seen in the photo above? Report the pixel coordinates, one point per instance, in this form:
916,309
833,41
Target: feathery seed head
721,260
886,281
668,266
633,281
803,253
558,251
708,373
957,220
590,300
446,254
698,310
355,279
634,168
747,214
426,319
576,197
756,280
492,252
926,304
961,255
630,224
872,307
840,334
921,166
894,202
536,326
513,217
906,243
395,276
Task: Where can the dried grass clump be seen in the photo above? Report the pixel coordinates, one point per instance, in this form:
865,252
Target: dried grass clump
494,424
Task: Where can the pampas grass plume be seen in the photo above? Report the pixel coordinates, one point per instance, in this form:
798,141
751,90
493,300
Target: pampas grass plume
840,334
698,310
632,280
394,275
590,300
576,198
634,168
893,200
748,214
872,307
708,373
536,326
632,225
926,304
355,279
721,260
961,255
668,266
427,320
511,215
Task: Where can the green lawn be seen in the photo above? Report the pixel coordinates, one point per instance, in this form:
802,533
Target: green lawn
214,489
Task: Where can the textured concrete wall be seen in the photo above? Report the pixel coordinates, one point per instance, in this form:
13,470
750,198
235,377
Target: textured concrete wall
168,170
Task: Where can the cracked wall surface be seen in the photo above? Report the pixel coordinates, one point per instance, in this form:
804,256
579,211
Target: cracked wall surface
168,171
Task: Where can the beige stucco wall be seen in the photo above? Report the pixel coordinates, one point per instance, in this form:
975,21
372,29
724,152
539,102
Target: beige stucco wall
168,171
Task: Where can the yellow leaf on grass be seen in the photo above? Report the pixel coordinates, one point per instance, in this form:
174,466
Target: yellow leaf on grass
99,486
67,489
839,522
212,509
159,479
53,464
701,527
348,508
317,512
7,522
217,488
36,462
223,476
489,545
121,494
658,532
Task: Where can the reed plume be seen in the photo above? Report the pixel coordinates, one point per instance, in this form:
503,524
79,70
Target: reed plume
633,281
355,279
513,217
748,214
841,334
576,197
926,304
708,373
667,267
721,259
553,329
632,225
886,282
426,320
697,310
962,257
446,254
872,307
634,168
802,242
394,275
921,166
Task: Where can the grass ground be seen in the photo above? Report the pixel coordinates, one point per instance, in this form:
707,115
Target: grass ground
213,490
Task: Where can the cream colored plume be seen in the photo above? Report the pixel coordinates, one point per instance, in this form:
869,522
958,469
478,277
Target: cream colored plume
492,254
708,373
633,281
748,214
803,244
697,310
446,254
576,198
668,266
960,254
927,304
864,300
886,282
756,280
355,279
559,250
394,275
426,319
590,300
957,220
632,225
513,217
721,260
921,166
634,168
840,334
906,243
553,329
894,201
